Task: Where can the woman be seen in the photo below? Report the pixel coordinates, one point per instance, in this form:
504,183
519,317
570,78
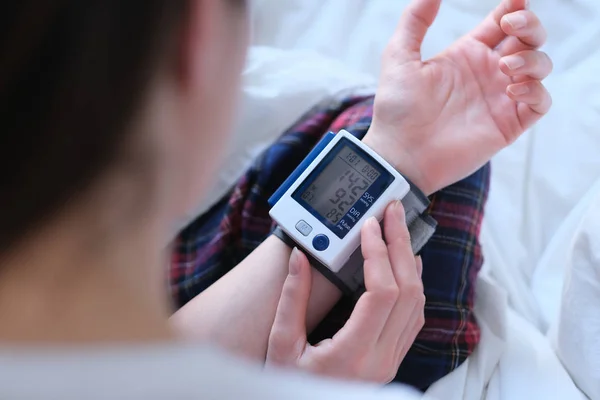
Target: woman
114,116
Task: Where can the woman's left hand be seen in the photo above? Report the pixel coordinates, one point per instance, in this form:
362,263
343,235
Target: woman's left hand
384,323
437,121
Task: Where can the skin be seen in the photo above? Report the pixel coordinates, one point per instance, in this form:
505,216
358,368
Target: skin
71,290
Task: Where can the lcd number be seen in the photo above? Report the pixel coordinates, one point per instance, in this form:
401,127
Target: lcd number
346,197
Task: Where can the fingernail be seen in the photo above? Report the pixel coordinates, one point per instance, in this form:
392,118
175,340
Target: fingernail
373,226
294,262
516,21
513,62
518,90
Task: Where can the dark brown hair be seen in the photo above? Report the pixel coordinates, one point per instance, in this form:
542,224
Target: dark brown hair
72,75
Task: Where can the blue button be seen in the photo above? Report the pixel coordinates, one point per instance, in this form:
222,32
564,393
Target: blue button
321,242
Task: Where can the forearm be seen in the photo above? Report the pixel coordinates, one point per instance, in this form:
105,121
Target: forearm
237,312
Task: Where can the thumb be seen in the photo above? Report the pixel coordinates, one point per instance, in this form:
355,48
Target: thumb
288,335
414,24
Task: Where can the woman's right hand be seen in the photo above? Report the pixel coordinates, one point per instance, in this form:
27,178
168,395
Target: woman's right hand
384,323
439,120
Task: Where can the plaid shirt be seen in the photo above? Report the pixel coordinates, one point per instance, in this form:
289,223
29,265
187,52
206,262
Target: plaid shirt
221,238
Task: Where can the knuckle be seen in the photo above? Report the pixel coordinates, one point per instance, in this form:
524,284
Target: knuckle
411,14
421,300
382,299
421,320
279,345
419,265
540,27
418,290
538,88
413,289
386,375
388,296
380,250
390,376
382,378
392,370
402,239
548,101
549,61
275,356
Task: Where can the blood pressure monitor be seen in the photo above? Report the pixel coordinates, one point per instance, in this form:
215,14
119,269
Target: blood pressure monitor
324,203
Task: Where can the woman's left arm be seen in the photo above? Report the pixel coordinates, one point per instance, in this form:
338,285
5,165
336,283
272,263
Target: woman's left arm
436,121
237,312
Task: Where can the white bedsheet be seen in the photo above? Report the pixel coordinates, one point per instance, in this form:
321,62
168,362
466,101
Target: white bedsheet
306,49
572,311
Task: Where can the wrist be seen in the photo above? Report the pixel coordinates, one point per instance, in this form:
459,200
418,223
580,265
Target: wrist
400,158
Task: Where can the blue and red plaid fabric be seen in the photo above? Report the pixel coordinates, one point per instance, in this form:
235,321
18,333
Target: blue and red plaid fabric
221,238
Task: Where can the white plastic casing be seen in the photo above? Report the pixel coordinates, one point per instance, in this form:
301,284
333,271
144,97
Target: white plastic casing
287,212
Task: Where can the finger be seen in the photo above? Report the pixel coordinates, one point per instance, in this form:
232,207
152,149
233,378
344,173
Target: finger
406,275
534,64
363,328
534,101
525,32
407,339
288,334
398,240
412,28
489,32
419,262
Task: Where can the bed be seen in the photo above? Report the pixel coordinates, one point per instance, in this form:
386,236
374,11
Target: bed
538,298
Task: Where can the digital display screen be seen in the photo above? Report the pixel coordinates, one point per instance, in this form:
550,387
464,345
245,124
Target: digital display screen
340,185
343,187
